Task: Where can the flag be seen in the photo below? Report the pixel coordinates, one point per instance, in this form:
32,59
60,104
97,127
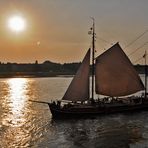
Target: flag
89,32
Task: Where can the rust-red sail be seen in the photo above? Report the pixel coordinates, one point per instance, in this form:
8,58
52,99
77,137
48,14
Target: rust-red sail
78,89
115,75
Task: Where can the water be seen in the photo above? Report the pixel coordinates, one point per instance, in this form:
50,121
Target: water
27,124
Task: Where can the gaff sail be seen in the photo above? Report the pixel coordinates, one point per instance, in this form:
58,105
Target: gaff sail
115,75
78,89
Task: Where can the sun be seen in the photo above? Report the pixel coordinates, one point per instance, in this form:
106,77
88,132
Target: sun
16,23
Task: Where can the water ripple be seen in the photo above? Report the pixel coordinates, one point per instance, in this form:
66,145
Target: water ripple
26,124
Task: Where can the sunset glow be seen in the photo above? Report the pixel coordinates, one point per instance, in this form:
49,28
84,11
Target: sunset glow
58,30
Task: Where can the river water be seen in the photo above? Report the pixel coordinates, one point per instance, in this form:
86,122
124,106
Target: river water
27,124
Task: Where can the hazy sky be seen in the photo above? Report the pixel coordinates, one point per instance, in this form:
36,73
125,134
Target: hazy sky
57,30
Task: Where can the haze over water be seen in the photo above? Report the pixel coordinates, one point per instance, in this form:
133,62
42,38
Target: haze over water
27,124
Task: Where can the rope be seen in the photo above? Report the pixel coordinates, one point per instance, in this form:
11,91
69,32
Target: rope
138,49
136,39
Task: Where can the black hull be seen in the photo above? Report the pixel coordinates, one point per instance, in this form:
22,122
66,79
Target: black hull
92,111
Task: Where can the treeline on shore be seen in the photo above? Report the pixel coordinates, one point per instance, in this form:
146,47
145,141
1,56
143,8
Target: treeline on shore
45,69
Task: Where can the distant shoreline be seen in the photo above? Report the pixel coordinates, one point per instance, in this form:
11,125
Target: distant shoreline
33,76
47,69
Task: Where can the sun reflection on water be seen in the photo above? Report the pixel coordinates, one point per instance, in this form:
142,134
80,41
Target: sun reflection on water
16,99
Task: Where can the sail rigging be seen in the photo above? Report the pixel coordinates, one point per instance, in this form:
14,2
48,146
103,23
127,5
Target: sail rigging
115,74
78,89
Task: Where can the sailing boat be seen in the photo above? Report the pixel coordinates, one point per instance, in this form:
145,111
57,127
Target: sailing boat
115,78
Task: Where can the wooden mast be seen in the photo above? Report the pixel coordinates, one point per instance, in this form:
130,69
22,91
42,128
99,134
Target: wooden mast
93,56
145,55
